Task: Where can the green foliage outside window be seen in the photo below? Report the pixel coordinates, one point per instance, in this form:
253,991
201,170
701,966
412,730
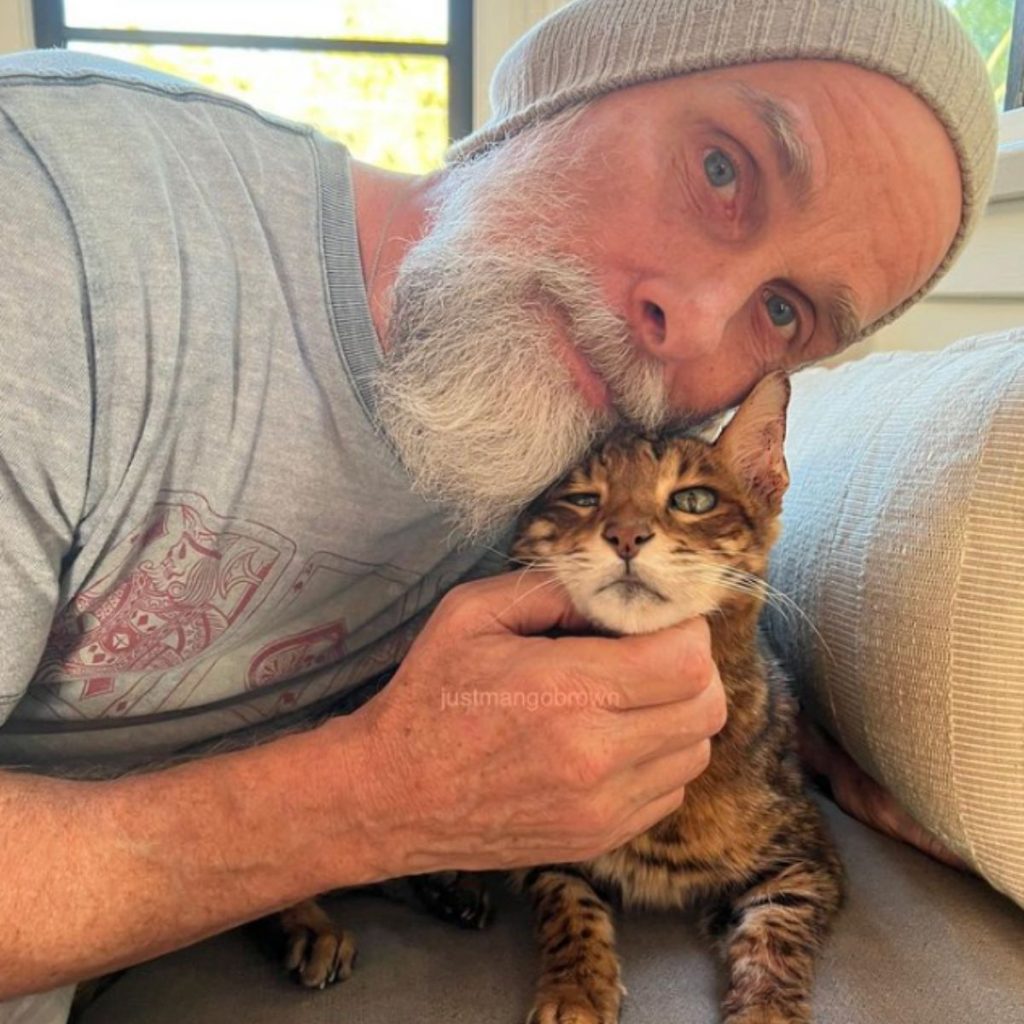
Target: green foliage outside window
990,23
391,111
408,21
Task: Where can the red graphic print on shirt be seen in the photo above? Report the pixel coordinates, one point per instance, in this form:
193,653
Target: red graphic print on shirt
290,657
176,584
318,584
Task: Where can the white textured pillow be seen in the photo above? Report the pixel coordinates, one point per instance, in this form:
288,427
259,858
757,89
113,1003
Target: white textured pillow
903,543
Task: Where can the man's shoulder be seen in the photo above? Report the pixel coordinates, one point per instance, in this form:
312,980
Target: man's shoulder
40,73
65,67
115,140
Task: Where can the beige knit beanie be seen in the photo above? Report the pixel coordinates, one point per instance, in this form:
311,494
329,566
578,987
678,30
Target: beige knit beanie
591,47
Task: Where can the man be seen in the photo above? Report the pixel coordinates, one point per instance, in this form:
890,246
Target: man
234,482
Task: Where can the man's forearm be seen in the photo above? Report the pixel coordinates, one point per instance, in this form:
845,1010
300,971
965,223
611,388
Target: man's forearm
98,875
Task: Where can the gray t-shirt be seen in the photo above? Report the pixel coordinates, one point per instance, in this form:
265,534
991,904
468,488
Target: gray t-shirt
200,528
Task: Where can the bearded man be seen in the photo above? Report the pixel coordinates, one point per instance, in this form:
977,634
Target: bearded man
263,405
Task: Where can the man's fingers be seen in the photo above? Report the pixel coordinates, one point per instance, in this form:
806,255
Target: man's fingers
652,732
678,660
650,814
663,780
644,670
863,798
657,776
525,603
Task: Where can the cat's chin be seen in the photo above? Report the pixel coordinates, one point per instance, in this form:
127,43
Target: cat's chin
638,612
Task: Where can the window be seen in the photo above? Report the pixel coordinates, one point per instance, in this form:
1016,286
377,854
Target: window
1015,89
998,32
392,79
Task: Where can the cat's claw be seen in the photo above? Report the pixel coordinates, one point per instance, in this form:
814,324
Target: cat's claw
768,1015
570,1010
461,900
320,958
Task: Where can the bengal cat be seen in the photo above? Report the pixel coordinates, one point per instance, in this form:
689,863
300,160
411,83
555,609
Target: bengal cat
644,534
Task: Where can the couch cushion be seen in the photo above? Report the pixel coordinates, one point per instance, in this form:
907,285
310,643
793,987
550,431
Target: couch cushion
903,543
917,943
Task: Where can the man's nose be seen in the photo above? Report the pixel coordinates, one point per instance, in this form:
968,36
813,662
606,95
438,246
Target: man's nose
627,536
677,325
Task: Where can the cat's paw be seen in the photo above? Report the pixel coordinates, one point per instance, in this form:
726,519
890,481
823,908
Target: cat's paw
572,1008
320,956
768,1015
459,898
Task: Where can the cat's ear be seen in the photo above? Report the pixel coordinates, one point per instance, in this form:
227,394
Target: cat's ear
752,443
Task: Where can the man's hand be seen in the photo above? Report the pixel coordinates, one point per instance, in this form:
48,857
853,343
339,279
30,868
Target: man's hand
408,783
864,799
501,747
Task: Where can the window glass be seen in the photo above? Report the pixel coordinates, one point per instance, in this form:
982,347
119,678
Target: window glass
990,24
391,111
410,21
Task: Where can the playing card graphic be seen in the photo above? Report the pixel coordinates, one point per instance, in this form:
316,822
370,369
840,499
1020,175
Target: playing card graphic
168,592
293,655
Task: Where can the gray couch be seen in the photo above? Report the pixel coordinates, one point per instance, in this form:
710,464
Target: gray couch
918,943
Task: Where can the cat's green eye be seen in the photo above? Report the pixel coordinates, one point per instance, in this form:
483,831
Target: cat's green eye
694,500
583,500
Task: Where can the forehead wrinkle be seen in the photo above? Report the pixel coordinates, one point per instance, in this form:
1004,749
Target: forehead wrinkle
791,151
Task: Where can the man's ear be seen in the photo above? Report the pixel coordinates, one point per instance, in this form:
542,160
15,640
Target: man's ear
752,443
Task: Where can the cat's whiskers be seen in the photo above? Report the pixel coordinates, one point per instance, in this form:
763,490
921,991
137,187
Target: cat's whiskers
551,581
738,580
503,555
696,570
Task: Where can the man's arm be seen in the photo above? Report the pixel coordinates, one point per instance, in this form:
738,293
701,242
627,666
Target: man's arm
98,875
95,875
864,799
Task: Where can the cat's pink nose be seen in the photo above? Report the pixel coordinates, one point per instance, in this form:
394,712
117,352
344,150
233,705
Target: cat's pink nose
627,537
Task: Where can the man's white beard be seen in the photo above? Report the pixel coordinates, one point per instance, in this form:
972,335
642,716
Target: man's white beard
472,392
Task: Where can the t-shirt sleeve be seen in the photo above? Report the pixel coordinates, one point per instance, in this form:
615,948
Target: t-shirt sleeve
45,407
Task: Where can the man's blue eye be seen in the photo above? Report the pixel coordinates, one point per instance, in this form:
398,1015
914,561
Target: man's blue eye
781,312
719,169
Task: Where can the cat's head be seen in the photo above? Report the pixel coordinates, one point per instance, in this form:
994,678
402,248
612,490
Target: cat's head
648,531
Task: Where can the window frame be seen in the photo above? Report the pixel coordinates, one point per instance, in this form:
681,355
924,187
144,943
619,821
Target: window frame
1015,72
51,30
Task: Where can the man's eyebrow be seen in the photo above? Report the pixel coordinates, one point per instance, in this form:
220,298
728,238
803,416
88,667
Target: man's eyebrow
791,152
841,313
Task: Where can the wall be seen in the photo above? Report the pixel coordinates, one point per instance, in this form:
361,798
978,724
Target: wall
15,25
496,25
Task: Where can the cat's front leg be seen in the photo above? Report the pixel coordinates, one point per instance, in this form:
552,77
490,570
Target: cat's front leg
770,934
459,897
580,978
316,949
